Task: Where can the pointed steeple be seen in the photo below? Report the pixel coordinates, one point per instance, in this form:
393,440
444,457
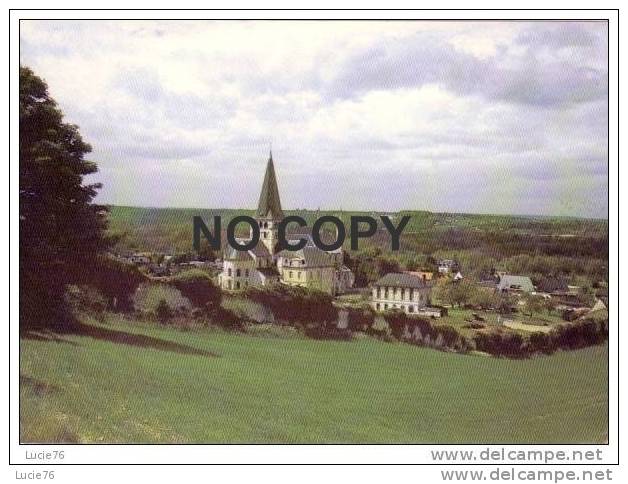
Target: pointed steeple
269,205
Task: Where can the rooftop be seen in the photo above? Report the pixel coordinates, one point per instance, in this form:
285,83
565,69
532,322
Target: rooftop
399,279
269,205
313,256
523,283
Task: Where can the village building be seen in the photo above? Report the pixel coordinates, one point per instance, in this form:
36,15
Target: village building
137,258
425,275
554,286
514,284
403,291
265,265
314,268
447,266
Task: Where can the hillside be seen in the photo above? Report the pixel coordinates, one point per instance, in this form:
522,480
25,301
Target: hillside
171,228
130,382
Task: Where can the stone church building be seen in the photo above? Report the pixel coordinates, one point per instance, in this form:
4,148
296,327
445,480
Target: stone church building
264,265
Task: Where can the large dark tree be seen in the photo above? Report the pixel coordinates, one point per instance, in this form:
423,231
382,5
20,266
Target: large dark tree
61,230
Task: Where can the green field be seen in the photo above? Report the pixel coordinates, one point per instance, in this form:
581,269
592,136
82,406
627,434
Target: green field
122,381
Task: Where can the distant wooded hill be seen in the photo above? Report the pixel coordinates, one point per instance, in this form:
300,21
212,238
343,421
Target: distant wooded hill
170,230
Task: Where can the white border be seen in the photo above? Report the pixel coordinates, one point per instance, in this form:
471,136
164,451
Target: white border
266,454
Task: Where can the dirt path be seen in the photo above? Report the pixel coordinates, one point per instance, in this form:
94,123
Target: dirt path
527,327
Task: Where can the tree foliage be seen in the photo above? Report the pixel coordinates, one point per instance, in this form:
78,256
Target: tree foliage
61,230
116,280
197,286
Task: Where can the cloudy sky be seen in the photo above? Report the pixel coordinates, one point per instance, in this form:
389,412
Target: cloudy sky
469,117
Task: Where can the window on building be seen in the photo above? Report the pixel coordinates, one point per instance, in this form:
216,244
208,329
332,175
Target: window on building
237,284
385,306
410,309
246,272
229,272
377,306
238,272
229,285
290,275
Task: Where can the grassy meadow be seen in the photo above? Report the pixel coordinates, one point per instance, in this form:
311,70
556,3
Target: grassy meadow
123,381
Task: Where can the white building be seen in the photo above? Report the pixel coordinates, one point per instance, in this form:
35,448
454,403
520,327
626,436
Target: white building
406,292
446,266
264,265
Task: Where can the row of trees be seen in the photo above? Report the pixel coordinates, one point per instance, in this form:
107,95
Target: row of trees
468,293
498,342
579,334
371,263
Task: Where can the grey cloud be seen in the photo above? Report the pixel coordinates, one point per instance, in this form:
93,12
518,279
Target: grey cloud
528,79
557,35
540,128
186,109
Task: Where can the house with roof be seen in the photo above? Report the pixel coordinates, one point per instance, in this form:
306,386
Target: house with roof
140,258
403,291
514,284
313,268
423,274
555,286
265,265
447,266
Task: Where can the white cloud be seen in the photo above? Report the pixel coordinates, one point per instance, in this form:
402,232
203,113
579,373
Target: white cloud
371,115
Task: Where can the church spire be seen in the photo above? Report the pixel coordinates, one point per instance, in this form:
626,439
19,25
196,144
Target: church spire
269,205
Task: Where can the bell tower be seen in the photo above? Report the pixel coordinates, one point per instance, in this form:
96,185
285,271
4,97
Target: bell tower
269,212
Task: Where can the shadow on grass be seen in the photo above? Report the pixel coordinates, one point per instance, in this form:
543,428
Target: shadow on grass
39,387
114,336
46,335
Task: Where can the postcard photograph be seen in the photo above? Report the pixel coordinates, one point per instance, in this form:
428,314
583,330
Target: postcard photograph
313,232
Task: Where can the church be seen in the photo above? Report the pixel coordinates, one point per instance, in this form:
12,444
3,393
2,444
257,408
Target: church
265,265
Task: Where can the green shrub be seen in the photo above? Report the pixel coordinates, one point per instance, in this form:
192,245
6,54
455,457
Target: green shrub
85,298
247,309
163,311
198,287
226,319
586,332
450,336
570,336
360,319
501,343
150,295
295,304
397,322
540,343
117,281
422,332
